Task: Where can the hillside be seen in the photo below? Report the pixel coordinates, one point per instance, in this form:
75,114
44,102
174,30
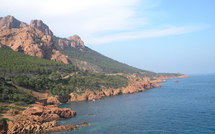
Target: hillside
40,69
44,75
101,62
33,58
11,94
15,63
36,39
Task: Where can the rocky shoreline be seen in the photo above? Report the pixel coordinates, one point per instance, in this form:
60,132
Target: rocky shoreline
39,118
136,84
42,117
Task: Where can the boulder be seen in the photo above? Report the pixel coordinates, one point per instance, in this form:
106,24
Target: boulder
53,100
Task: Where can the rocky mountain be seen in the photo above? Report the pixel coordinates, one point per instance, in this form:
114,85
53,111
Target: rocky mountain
32,70
36,39
11,22
41,26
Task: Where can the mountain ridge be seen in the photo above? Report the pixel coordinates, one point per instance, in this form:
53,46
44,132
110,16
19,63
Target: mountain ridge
36,39
35,62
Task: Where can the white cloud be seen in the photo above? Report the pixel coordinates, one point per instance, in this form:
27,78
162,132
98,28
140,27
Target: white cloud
144,34
96,21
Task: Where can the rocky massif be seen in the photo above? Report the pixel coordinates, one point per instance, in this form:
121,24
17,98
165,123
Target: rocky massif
35,39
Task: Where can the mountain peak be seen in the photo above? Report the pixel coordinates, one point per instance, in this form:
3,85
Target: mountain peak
10,22
41,26
35,39
76,41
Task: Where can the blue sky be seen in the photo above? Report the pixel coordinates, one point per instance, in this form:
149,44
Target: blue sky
157,35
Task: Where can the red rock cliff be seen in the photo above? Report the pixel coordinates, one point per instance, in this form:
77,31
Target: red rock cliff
34,40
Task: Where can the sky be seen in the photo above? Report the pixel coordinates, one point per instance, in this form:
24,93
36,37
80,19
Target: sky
155,35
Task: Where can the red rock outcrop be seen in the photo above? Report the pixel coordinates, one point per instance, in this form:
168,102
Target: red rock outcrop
47,112
57,99
63,43
25,125
53,100
163,78
41,26
73,41
35,40
76,41
39,119
87,95
57,56
11,22
136,84
65,127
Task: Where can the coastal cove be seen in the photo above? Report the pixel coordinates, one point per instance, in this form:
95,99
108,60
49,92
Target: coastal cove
42,117
186,106
107,67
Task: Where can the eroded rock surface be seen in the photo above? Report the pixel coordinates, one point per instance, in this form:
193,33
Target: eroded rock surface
41,26
136,84
39,119
35,39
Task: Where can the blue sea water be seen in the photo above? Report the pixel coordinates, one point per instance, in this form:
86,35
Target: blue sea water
186,107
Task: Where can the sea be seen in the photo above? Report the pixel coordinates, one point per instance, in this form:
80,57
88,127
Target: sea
183,107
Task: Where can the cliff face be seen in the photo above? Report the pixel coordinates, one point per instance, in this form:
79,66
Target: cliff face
41,26
34,40
10,22
38,40
72,42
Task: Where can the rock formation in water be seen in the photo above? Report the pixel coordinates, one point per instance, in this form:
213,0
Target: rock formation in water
39,119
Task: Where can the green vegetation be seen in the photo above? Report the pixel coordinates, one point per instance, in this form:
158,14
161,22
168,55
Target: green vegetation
14,63
78,82
37,83
3,119
103,63
57,78
10,94
4,108
44,75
